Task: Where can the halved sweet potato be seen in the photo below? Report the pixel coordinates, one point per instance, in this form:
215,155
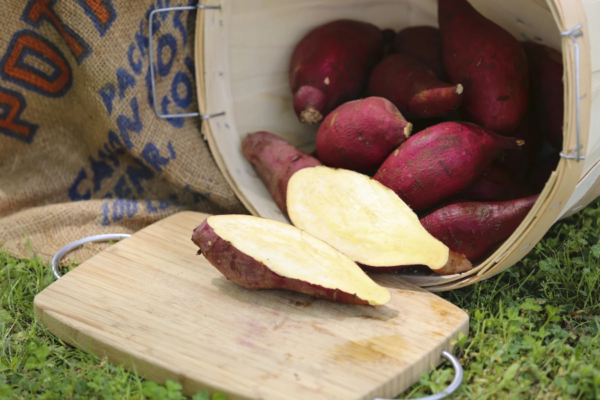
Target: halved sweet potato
361,218
259,253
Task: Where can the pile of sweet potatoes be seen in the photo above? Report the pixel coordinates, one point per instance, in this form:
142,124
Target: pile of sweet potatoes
489,110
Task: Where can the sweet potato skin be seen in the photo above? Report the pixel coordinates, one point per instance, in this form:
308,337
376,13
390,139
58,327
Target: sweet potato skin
457,264
330,66
276,161
547,90
360,134
475,228
252,274
440,162
424,44
413,87
490,64
519,161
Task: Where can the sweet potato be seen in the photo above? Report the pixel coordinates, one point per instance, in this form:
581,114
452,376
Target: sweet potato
489,63
424,44
360,134
476,228
388,36
495,184
331,65
413,87
547,90
276,161
364,220
258,253
519,161
541,171
440,162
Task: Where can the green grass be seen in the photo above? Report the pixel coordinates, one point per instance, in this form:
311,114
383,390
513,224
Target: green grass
535,332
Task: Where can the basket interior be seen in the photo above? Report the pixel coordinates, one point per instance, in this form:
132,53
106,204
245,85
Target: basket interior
260,38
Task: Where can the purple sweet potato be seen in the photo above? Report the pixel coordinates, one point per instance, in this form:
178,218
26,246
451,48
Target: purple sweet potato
276,161
331,65
413,87
547,90
541,171
259,253
518,162
476,228
360,134
489,63
495,184
440,162
424,44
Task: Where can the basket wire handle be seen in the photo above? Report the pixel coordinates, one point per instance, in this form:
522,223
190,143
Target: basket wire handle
151,53
73,245
575,33
458,377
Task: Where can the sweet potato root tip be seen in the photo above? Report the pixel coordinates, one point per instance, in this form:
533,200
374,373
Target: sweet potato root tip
459,88
310,116
457,264
520,142
408,129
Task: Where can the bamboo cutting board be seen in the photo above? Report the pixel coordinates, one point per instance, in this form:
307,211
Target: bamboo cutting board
151,303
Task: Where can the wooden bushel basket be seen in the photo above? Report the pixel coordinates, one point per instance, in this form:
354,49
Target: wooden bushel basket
242,55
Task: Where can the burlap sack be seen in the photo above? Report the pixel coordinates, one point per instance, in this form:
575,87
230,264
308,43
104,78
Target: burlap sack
82,151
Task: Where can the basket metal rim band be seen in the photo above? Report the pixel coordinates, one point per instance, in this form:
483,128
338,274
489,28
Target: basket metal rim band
73,245
458,377
575,33
151,55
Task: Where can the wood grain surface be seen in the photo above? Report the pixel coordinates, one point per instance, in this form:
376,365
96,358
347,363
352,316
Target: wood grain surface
151,303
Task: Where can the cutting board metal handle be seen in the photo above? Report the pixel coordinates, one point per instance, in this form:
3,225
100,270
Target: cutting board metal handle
458,377
73,245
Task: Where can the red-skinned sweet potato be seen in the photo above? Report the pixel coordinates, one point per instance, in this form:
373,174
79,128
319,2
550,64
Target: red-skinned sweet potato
360,134
495,184
258,253
440,162
331,65
413,87
547,90
276,161
489,63
476,228
424,44
541,171
518,162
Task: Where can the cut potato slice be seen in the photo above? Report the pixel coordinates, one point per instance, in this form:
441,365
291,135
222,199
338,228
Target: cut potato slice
361,218
259,253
